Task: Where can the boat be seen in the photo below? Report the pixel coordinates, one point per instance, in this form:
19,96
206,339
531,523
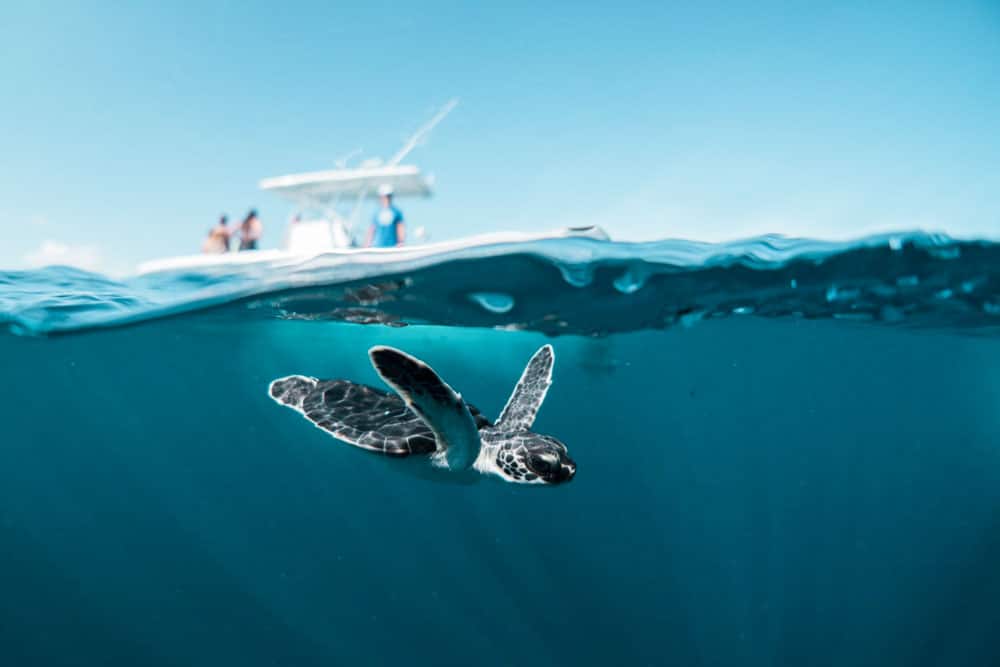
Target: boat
327,209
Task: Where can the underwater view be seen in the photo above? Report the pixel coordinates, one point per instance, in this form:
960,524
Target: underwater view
772,452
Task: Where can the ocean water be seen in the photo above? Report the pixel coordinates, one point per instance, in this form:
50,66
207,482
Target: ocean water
788,453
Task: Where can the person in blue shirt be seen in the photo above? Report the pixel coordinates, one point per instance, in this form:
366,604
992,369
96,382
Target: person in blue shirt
387,230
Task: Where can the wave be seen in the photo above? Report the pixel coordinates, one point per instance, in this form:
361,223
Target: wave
577,284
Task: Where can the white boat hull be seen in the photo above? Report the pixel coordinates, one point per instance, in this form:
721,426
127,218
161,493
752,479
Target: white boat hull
359,255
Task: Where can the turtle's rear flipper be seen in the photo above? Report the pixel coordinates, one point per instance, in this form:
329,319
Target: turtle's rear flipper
431,399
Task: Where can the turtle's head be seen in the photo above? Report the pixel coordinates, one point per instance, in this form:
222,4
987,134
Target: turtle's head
529,458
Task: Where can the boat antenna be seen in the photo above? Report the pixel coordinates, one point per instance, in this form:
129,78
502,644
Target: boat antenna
422,133
341,162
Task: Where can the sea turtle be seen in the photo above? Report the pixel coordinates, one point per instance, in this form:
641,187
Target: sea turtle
429,419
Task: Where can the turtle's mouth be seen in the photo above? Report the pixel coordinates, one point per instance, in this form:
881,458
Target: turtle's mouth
565,472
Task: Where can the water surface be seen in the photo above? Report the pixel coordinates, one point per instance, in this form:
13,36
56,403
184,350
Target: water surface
787,454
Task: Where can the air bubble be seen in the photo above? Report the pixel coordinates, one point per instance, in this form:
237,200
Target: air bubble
835,293
495,302
690,319
632,280
883,291
577,275
947,253
970,285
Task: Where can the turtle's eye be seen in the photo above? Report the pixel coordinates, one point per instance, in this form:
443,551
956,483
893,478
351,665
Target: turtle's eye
543,464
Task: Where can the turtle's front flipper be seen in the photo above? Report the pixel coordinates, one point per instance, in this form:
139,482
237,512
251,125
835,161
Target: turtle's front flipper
292,390
440,406
524,402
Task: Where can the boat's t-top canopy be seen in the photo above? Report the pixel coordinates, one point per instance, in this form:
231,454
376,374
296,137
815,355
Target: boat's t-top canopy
327,194
325,188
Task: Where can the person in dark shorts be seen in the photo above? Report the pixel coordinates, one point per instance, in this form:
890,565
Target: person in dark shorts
250,231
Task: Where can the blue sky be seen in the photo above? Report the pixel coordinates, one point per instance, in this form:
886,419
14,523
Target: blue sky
125,131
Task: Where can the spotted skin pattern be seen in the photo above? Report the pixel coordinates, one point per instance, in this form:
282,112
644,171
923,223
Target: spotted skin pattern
522,407
528,458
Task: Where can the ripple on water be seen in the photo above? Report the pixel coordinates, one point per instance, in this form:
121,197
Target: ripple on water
601,286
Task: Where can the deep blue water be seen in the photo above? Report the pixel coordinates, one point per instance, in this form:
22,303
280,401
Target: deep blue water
788,454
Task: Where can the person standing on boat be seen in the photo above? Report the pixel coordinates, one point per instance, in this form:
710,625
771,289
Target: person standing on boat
218,238
387,229
250,231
